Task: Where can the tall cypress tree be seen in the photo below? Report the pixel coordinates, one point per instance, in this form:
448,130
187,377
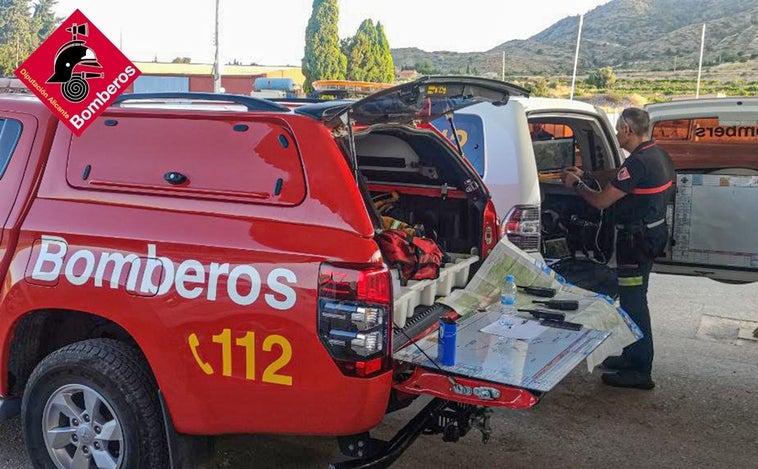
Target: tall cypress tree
323,58
386,72
362,53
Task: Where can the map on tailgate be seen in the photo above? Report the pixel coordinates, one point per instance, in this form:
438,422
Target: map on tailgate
538,361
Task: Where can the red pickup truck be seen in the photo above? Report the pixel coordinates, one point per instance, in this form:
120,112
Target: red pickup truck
196,265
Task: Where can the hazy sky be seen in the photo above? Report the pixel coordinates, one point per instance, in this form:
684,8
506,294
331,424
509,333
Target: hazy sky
272,32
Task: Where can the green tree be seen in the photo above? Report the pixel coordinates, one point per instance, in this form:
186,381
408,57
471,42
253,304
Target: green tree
16,38
362,53
323,58
602,78
538,87
426,68
44,20
23,26
368,54
386,63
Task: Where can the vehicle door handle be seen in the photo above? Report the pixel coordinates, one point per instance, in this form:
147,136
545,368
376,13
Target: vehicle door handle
175,178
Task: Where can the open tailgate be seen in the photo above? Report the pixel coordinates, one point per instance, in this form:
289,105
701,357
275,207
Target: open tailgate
513,369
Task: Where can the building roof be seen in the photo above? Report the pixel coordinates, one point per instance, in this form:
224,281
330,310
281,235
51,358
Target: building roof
162,68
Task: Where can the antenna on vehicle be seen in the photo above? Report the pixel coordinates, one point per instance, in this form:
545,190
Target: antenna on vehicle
12,85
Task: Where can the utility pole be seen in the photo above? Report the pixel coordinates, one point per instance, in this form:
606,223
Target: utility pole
700,67
576,55
217,60
503,66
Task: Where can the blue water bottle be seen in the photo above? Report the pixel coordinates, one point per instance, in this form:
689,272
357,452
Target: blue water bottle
508,295
446,341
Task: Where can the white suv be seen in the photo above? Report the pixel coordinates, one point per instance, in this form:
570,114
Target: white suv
712,214
521,166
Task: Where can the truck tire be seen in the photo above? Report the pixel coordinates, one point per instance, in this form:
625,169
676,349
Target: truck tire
96,402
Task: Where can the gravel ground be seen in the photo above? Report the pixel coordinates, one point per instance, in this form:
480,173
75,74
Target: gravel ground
703,412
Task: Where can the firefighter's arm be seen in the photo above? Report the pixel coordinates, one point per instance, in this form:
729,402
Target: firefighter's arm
602,176
599,199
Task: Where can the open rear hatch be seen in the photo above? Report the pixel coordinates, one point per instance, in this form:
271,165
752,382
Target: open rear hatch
384,127
490,370
420,179
422,100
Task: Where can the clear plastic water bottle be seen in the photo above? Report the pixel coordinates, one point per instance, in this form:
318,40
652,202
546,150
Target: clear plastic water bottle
508,295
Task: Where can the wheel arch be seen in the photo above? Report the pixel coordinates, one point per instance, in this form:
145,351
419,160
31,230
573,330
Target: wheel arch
38,333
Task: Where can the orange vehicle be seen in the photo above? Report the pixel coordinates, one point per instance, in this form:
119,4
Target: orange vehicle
714,145
342,89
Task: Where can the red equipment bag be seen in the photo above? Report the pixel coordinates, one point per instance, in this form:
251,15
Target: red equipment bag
418,258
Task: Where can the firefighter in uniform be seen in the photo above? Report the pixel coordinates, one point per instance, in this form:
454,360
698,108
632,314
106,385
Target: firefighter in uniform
639,191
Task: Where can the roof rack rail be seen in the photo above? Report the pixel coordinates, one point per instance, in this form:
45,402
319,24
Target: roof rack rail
252,104
12,85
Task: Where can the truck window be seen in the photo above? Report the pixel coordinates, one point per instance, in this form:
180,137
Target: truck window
253,160
555,147
10,131
554,155
705,143
549,130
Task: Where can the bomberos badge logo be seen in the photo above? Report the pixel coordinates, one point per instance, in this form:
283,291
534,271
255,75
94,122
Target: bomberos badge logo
77,72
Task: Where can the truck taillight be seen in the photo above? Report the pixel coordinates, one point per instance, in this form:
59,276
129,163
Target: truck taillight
522,227
490,229
354,311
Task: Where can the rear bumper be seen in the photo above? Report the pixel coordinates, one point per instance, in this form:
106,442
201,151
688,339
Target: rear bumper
389,451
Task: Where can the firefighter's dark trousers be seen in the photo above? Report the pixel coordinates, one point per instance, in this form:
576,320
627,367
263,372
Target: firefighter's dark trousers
633,282
635,251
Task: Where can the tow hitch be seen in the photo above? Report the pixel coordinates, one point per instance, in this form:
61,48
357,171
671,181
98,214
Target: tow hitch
451,419
456,420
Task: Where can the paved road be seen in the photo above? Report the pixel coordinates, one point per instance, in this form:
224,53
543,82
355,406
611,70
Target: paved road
702,414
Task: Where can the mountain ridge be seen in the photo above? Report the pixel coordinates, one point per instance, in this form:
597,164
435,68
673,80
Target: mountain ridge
623,34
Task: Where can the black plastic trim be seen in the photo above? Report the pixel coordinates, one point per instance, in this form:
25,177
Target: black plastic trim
185,451
415,325
9,407
400,442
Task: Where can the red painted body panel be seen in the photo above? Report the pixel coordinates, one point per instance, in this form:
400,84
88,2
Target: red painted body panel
435,384
331,224
261,153
19,185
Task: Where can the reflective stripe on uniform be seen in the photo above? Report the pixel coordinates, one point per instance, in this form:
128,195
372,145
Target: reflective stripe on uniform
651,190
630,281
648,146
